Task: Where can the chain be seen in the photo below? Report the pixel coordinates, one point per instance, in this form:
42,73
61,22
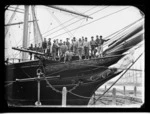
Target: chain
51,85
79,95
74,87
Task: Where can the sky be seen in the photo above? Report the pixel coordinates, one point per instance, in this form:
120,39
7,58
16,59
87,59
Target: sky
49,21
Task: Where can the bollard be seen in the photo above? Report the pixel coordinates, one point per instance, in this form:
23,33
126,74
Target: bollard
124,90
135,89
64,96
125,98
38,103
114,96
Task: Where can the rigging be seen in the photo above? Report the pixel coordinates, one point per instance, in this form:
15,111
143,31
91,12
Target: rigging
10,20
69,11
15,11
68,21
93,21
76,21
63,27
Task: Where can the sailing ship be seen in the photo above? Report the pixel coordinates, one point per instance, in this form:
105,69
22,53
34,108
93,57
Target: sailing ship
41,81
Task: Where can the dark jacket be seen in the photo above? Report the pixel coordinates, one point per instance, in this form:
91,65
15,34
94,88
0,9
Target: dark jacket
44,45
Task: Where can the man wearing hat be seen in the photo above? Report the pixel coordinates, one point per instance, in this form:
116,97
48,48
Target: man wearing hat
49,47
74,45
54,50
86,45
80,46
93,45
44,45
97,41
100,46
68,43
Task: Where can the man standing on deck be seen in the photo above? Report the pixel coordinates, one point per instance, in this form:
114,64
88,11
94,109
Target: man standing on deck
49,47
93,45
75,44
54,49
68,43
80,46
59,50
44,45
83,52
97,41
35,49
30,48
57,47
86,46
100,46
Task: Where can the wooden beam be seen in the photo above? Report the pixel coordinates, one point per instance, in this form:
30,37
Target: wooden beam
18,23
17,8
28,51
15,11
69,11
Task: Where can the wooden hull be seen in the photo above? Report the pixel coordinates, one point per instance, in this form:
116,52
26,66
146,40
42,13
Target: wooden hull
28,69
25,93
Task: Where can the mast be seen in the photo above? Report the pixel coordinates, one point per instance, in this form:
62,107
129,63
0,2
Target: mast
25,32
37,34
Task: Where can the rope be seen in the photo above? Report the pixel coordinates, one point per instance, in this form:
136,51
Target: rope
76,21
118,78
9,84
79,95
79,25
11,18
63,27
26,73
68,21
47,80
124,48
55,88
74,87
92,21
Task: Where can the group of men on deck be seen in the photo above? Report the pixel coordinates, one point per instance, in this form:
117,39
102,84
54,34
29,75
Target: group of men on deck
65,49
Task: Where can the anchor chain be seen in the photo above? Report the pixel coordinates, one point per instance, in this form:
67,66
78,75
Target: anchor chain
53,88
